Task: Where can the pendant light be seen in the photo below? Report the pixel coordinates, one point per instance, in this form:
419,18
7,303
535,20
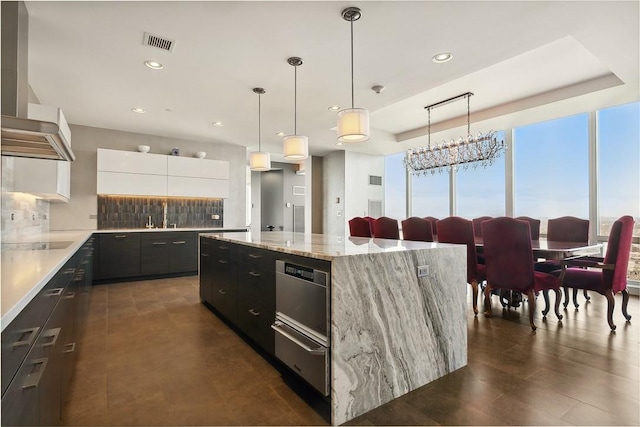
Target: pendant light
295,147
259,161
353,123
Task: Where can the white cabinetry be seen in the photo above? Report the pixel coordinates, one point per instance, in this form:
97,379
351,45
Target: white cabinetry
49,179
197,177
131,173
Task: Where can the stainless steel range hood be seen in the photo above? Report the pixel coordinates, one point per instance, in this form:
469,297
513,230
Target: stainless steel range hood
22,135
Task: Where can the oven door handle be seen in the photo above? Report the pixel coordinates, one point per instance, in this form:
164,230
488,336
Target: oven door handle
318,351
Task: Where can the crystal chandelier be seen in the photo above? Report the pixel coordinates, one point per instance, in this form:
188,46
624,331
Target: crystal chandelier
482,149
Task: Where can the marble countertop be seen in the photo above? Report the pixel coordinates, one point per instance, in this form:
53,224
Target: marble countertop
26,271
322,246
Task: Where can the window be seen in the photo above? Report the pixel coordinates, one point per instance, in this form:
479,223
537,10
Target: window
619,177
430,195
395,186
551,169
481,191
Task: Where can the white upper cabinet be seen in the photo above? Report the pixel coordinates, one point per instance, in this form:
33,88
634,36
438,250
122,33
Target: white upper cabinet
49,179
197,168
131,162
132,173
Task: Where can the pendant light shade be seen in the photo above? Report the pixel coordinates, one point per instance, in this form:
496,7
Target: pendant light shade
353,123
295,147
259,161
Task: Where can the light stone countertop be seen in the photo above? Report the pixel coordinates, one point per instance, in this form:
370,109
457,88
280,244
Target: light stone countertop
322,246
25,272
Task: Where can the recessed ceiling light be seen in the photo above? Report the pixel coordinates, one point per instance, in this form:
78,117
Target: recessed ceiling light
280,134
138,110
154,65
442,57
334,108
218,124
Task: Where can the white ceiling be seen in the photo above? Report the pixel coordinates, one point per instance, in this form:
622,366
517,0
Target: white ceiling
524,61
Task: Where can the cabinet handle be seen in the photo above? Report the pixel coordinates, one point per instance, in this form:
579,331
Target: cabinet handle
254,256
69,348
253,312
70,295
179,242
69,271
204,254
121,236
26,342
223,261
51,334
254,274
222,292
56,292
159,243
223,247
34,377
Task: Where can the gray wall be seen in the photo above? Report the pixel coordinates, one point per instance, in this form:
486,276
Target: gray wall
80,212
271,209
271,191
317,195
333,178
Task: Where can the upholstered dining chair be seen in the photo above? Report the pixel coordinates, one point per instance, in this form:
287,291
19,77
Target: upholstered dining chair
418,229
477,229
359,227
607,275
370,219
433,220
509,256
564,229
534,225
386,228
455,229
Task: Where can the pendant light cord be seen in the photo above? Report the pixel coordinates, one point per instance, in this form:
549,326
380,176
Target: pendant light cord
295,100
352,90
468,115
429,126
259,143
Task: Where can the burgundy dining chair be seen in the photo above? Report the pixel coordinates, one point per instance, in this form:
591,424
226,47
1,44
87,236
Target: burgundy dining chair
418,229
455,229
564,229
433,221
509,256
534,225
386,228
359,227
607,275
477,229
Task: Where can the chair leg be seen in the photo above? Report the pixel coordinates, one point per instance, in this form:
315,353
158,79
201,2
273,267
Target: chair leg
625,301
575,298
545,293
557,305
487,300
474,288
611,302
566,296
532,308
586,295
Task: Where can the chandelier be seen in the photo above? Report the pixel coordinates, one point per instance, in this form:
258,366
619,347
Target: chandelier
480,150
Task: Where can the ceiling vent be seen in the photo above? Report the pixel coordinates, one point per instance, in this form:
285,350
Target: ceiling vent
159,42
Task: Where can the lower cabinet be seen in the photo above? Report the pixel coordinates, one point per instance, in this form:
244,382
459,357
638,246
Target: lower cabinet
38,346
118,255
239,282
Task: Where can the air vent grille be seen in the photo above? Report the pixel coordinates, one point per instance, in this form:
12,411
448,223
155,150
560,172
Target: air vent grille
159,42
375,180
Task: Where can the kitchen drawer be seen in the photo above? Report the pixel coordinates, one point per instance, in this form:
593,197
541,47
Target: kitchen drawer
183,254
119,255
257,256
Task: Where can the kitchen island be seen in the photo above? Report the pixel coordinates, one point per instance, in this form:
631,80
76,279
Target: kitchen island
390,331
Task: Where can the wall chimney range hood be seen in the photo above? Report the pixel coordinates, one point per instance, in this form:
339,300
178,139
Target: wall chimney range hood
43,134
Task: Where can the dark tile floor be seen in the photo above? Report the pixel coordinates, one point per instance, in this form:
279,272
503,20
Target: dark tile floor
152,354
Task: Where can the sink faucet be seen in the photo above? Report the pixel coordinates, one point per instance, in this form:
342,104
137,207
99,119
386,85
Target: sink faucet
164,214
149,224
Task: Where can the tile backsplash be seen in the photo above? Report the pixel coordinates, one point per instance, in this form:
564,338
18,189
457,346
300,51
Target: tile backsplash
131,212
22,214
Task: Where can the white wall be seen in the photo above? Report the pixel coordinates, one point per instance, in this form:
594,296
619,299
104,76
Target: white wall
358,192
333,178
80,212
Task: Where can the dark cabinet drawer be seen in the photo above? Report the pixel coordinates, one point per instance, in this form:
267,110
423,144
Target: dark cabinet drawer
224,287
257,256
183,254
256,305
154,254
